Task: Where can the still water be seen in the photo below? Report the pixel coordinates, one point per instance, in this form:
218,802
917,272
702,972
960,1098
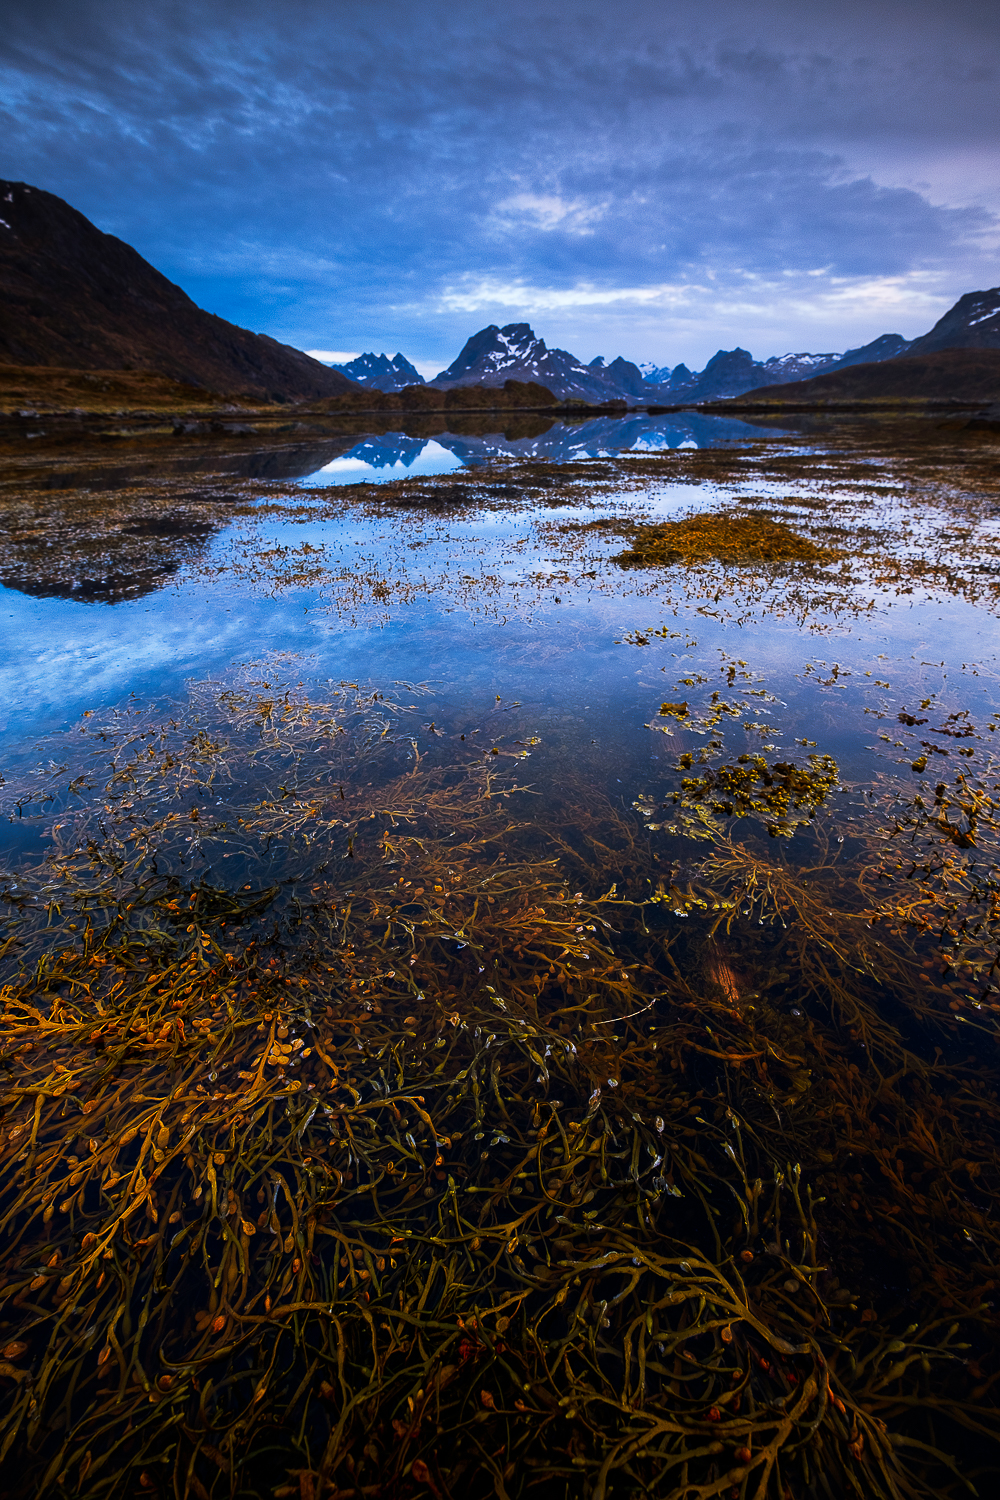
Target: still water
499,966
395,455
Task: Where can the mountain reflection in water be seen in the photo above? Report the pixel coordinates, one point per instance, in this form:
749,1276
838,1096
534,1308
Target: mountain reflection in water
320,452
395,455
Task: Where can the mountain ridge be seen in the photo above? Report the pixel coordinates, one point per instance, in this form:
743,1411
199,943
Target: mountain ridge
379,373
74,297
514,352
495,354
973,323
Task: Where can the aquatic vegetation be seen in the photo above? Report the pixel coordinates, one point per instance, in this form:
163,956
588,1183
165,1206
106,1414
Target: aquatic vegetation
398,1154
730,538
386,1113
784,794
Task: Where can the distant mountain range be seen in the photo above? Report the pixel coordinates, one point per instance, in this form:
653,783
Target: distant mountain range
733,371
379,373
514,352
74,297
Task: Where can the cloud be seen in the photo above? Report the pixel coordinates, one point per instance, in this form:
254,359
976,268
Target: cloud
474,295
547,211
793,310
333,356
332,176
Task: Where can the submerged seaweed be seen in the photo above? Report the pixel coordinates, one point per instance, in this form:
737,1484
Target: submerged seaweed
406,1157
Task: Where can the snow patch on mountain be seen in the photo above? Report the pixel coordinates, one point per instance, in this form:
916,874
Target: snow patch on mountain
379,373
515,352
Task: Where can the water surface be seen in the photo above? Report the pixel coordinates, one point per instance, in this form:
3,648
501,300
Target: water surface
493,962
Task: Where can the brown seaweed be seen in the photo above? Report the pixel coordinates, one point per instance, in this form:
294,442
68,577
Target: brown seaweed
412,1159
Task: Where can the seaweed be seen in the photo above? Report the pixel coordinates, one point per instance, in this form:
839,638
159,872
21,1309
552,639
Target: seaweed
409,1157
728,537
376,1122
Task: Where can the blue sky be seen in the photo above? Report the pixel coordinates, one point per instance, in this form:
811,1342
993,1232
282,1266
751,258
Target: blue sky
657,180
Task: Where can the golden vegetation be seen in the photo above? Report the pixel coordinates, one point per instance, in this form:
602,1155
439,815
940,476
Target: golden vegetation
357,1137
729,538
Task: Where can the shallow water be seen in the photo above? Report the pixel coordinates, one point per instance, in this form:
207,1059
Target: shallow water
394,455
709,840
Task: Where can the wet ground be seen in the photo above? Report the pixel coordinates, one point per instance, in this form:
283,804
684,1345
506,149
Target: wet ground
626,789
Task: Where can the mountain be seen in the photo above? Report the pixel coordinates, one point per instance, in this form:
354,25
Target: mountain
732,372
494,355
74,297
664,377
959,359
621,376
973,323
967,375
379,373
889,346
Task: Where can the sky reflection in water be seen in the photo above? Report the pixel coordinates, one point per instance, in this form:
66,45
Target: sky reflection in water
488,610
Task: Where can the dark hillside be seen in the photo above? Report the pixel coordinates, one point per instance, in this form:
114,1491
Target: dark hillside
973,323
73,297
971,375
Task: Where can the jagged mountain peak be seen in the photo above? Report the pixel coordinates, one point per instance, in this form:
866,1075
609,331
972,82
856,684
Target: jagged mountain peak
515,352
378,372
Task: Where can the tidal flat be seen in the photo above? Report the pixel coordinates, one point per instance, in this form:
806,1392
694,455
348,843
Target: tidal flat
499,966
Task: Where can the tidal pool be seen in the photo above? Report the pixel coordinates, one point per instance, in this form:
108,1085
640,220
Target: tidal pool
499,973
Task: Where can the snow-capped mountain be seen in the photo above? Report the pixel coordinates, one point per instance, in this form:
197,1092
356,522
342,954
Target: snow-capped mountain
494,355
889,346
732,372
378,372
785,367
973,323
665,377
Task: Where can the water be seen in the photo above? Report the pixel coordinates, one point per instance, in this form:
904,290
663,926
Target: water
394,455
329,451
452,952
381,460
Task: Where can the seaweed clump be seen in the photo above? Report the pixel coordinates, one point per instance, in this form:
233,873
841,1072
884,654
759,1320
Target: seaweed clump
783,794
721,536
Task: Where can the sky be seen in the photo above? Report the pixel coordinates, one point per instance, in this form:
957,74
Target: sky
658,180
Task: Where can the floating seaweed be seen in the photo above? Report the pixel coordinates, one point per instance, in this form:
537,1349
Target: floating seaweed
728,537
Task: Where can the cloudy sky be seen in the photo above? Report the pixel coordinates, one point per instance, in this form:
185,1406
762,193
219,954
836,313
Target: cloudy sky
657,179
